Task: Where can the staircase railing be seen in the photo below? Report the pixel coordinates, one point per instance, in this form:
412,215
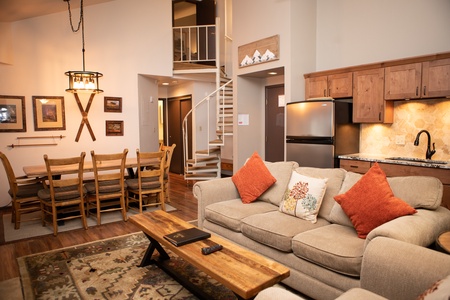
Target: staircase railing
220,115
194,43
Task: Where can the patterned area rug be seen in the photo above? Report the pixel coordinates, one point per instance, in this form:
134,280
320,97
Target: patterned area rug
108,269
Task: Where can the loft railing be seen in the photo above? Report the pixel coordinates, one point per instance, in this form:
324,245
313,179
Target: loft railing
194,43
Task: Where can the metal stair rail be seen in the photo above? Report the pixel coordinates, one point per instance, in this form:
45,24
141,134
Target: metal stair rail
206,164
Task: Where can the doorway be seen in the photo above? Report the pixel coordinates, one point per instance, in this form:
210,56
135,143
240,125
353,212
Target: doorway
177,109
274,142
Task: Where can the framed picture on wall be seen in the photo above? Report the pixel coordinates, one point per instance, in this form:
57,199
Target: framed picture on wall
12,114
114,128
113,104
49,113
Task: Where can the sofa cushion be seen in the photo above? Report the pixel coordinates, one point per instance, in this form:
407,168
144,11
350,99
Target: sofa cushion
335,247
303,196
370,202
252,179
335,179
231,212
337,215
418,191
282,172
276,229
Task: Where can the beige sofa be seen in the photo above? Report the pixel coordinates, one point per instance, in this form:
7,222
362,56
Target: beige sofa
325,258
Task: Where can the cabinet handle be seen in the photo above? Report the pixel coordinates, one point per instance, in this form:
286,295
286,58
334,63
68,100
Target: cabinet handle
424,90
354,167
417,91
379,116
329,92
324,92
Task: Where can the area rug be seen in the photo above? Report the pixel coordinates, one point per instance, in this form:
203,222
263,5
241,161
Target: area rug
35,228
108,269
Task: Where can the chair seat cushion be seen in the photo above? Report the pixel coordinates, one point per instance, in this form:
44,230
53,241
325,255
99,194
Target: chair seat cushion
29,190
109,186
61,194
147,183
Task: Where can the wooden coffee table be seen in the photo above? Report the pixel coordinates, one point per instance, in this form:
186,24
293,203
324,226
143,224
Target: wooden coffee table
244,272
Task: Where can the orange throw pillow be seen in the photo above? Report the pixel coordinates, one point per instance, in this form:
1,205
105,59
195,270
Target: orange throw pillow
371,203
253,179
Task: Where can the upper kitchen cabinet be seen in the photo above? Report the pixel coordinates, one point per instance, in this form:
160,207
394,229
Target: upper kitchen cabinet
369,105
335,86
403,82
429,79
436,78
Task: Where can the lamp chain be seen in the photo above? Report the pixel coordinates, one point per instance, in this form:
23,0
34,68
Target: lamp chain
70,16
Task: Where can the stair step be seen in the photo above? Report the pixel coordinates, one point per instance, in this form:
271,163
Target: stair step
200,160
217,141
202,169
203,176
206,152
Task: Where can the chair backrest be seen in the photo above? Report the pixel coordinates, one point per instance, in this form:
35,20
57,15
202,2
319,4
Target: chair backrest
168,159
145,159
9,173
109,167
57,166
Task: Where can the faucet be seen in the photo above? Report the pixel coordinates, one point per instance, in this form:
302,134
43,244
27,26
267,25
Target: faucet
430,152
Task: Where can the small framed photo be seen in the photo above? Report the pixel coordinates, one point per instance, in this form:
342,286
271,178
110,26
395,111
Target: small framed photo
113,104
114,128
12,114
49,113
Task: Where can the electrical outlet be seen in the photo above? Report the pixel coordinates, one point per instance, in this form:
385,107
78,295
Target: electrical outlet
400,140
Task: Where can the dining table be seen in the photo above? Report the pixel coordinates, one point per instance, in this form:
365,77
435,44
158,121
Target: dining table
131,162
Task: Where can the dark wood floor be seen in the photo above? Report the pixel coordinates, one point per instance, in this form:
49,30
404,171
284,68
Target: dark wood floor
181,198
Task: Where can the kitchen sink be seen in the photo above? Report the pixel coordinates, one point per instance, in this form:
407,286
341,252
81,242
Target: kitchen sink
428,161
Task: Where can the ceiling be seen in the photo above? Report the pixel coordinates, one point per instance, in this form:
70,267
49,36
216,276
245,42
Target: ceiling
16,10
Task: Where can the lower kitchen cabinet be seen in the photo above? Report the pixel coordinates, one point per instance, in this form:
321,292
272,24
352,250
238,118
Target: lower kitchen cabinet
443,175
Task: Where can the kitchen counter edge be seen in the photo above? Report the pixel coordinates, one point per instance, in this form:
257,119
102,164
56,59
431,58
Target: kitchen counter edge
374,158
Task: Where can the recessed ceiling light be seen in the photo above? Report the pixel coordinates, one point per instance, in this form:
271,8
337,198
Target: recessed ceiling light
273,73
165,83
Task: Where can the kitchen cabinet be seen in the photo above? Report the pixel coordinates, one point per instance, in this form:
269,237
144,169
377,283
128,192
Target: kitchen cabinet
369,105
335,86
436,78
391,170
429,79
403,82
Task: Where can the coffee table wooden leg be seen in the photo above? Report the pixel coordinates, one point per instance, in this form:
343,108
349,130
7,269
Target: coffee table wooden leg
154,245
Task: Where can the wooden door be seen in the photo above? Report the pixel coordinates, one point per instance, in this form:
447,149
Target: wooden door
178,107
436,78
274,141
369,105
316,87
340,85
403,82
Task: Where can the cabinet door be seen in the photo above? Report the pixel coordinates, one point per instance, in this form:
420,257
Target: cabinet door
402,82
340,85
369,105
316,87
436,78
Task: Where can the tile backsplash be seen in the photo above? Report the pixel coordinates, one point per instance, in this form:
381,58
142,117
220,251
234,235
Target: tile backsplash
409,118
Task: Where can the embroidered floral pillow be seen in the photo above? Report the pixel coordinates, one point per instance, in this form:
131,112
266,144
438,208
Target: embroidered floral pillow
303,196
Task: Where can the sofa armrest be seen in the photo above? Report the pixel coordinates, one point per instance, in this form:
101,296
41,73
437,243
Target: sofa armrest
212,191
421,229
399,270
358,294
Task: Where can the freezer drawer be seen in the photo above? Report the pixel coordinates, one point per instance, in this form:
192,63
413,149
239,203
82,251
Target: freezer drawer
310,155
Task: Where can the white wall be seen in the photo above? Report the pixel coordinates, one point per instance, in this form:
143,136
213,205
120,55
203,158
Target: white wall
123,38
354,32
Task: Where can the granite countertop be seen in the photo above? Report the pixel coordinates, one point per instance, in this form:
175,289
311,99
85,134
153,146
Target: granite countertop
427,163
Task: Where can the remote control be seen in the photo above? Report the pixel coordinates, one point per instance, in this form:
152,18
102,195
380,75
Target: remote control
209,250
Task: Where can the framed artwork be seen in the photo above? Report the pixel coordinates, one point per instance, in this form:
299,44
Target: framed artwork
12,114
114,128
49,113
113,104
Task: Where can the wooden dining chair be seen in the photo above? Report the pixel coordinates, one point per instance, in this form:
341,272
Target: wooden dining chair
107,192
168,159
24,193
149,184
64,199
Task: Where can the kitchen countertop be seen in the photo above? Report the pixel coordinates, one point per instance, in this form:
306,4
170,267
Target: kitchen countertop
382,159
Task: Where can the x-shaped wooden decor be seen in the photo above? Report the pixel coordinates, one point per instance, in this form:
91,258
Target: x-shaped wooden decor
84,113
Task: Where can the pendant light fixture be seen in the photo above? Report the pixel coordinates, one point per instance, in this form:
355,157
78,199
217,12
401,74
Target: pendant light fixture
82,81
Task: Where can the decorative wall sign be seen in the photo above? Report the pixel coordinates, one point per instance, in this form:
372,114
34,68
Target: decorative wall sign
49,113
114,128
113,104
12,114
259,52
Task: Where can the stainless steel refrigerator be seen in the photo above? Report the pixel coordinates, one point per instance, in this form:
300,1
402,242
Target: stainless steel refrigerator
318,131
